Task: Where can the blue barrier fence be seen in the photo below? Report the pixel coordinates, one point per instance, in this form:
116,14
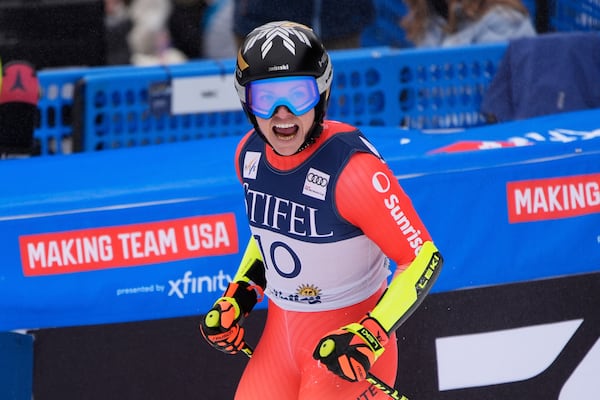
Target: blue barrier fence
117,107
56,105
16,366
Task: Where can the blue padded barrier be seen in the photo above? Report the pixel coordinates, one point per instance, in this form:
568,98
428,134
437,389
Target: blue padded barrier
111,197
576,15
16,366
414,88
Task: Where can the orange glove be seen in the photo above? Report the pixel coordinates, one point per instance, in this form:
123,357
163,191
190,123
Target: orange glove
350,352
222,325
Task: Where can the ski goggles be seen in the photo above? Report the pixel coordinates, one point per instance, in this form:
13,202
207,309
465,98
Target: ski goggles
298,93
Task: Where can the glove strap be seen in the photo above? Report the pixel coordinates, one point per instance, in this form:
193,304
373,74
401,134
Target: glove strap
370,332
245,295
375,328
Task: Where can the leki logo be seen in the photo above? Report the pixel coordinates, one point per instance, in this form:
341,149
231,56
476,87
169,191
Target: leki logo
553,198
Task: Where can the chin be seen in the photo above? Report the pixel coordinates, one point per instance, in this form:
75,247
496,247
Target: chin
287,151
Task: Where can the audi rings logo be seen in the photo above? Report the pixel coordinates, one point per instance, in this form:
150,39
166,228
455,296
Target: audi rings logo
317,179
315,184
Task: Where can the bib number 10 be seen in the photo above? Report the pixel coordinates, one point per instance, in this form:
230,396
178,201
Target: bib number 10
281,257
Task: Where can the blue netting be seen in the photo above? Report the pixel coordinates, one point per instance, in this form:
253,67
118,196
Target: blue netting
117,107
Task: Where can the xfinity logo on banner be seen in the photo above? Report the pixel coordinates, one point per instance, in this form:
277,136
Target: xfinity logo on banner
189,284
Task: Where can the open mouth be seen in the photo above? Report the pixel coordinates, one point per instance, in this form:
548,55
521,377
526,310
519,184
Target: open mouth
285,131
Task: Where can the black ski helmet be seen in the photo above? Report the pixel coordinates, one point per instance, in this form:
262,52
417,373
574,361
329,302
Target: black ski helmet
284,48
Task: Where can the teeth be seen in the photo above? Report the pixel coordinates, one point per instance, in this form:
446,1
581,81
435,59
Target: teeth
285,131
285,138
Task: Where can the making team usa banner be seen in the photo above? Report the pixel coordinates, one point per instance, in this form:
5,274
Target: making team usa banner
128,246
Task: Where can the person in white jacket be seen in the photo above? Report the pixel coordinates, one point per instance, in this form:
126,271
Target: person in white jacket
149,38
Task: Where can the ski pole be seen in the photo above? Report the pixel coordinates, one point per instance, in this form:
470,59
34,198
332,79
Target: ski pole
385,388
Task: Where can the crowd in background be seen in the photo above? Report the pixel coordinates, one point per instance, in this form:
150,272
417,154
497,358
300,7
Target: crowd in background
143,32
151,32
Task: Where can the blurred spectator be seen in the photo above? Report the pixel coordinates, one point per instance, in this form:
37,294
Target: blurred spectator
19,98
217,36
149,39
532,81
118,25
184,26
339,23
432,23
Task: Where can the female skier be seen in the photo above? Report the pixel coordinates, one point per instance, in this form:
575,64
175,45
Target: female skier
326,215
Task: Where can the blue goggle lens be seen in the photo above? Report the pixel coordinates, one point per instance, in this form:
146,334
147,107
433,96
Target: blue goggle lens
298,93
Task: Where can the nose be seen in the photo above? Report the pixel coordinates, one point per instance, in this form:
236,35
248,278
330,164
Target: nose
282,111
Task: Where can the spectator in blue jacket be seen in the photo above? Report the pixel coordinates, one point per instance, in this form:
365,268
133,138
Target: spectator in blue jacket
445,23
339,23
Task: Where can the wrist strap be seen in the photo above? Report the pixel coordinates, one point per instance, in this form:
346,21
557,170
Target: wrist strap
246,295
375,328
367,336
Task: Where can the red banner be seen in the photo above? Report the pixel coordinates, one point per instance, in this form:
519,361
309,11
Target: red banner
128,245
553,198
